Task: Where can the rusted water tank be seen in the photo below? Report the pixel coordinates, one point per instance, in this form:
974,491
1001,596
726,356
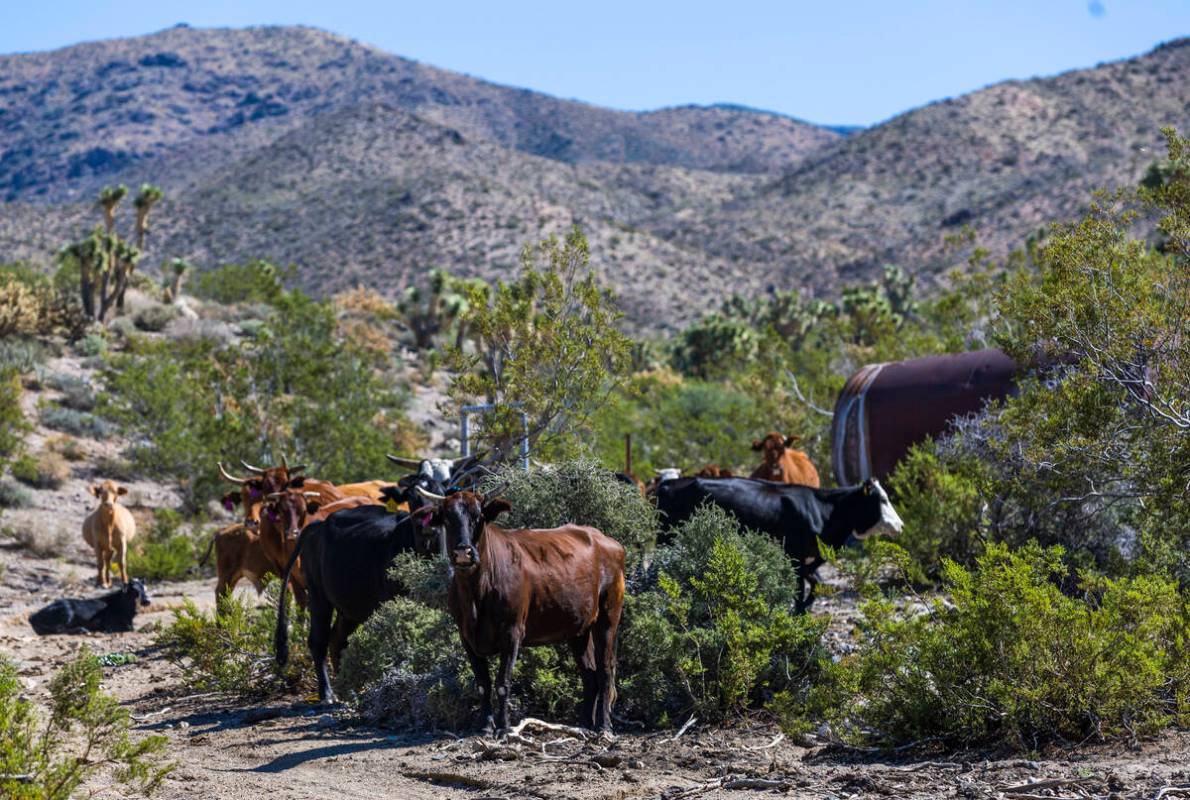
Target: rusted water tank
884,409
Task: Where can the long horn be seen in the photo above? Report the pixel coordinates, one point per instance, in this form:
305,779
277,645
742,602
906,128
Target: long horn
284,461
274,495
412,463
473,457
251,468
311,494
429,495
499,488
296,468
228,476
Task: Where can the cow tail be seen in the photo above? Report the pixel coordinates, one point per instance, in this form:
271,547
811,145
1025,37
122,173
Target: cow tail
281,635
202,562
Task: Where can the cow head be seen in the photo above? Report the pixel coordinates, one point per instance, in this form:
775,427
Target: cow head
135,588
254,489
108,493
461,519
288,509
874,513
774,446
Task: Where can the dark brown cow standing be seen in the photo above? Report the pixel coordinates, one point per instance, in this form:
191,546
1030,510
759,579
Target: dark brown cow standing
522,588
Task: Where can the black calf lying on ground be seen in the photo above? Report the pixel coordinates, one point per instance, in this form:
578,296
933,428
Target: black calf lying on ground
110,613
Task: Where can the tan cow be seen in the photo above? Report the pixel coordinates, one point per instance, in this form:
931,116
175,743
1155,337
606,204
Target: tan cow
108,530
238,556
782,463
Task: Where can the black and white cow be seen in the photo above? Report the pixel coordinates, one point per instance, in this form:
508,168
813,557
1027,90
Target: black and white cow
110,613
796,516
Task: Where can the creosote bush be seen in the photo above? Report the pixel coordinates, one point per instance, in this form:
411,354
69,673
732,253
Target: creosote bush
233,652
1013,659
85,733
166,552
580,492
46,470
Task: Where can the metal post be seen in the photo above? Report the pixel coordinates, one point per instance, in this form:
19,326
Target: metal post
464,435
483,408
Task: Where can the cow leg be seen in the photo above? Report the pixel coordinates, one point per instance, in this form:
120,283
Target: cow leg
124,561
342,631
300,595
807,580
604,640
583,648
483,682
320,635
99,566
504,682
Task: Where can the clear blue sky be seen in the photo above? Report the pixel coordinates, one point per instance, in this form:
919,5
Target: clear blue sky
832,62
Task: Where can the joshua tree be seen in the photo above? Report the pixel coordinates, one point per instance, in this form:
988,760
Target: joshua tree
144,202
175,272
105,260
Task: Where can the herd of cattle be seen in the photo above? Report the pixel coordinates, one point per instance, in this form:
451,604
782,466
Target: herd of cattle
334,544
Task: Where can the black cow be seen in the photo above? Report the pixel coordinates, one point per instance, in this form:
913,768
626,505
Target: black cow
797,516
345,560
110,613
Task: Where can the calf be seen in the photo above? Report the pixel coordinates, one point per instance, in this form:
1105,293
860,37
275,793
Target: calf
107,530
238,556
796,516
111,613
512,589
782,463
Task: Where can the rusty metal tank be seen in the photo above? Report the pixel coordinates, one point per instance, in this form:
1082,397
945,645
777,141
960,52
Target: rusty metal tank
884,409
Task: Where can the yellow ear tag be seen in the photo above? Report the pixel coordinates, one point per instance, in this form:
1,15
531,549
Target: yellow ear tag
392,505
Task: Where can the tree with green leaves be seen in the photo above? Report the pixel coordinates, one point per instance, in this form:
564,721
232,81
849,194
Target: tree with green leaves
546,343
431,309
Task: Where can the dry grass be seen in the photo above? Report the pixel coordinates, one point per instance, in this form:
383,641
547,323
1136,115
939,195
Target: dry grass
46,540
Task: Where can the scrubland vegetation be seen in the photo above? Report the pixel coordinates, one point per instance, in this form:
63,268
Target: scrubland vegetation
1038,592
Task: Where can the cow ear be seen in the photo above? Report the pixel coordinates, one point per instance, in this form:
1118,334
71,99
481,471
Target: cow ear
790,441
122,490
297,483
494,508
94,490
313,506
757,444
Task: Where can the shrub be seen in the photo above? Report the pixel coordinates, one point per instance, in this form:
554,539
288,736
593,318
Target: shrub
76,392
714,635
46,470
67,447
87,733
155,318
76,423
166,552
580,492
51,540
254,282
1015,660
117,469
93,344
22,355
233,652
940,502
12,418
13,496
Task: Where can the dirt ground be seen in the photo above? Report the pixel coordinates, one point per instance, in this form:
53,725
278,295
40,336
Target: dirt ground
292,749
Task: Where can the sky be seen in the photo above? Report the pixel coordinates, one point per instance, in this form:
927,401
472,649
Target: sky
841,62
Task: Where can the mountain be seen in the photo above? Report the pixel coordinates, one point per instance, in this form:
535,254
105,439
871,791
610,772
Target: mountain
359,166
180,102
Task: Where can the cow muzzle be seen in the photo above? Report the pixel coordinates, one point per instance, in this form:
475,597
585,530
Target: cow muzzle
465,556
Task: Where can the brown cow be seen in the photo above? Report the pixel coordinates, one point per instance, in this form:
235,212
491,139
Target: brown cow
532,587
371,489
783,464
238,556
108,530
713,471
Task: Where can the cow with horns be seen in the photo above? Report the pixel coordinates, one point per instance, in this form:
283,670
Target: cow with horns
522,588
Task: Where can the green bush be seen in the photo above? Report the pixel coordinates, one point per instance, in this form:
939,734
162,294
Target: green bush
195,402
76,392
46,470
92,345
76,423
1013,659
715,635
66,446
86,734
23,355
165,552
254,282
233,652
13,496
580,492
12,419
941,504
155,318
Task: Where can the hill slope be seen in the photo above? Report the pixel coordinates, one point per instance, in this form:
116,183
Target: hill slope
305,147
176,103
